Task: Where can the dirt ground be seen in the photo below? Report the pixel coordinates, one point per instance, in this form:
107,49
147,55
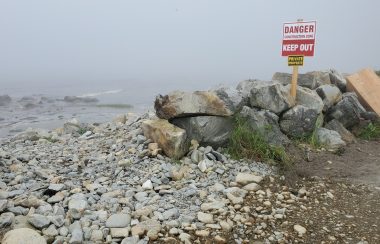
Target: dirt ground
359,163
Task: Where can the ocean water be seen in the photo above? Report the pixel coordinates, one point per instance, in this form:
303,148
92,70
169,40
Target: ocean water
41,105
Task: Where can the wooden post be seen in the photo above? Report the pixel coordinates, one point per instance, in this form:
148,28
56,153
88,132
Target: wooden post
293,89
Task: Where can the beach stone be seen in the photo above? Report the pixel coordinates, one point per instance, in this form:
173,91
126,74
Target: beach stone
266,124
6,219
96,236
23,235
130,240
345,134
3,205
182,104
299,121
205,218
252,187
185,238
118,220
58,197
330,95
299,229
77,207
51,231
246,178
271,96
76,233
329,138
202,233
119,232
215,205
151,225
39,221
147,185
56,187
170,214
171,139
212,131
348,111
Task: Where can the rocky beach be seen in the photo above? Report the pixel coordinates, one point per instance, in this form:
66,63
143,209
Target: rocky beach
166,177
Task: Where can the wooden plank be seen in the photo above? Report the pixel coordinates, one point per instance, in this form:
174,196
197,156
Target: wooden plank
366,84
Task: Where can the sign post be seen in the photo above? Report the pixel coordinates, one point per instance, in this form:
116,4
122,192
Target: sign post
298,41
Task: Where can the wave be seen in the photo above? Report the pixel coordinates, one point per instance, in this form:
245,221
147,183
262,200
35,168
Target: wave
95,94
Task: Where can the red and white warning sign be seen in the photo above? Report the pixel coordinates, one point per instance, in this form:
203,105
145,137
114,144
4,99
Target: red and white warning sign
299,38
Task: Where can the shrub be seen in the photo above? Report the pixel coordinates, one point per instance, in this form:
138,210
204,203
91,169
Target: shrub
250,144
371,131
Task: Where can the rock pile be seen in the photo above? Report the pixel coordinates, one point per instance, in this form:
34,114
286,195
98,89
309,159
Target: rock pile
207,116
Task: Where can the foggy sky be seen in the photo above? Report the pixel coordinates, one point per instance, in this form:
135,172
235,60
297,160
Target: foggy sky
161,41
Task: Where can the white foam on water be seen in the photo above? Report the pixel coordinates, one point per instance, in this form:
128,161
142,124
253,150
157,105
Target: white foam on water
95,94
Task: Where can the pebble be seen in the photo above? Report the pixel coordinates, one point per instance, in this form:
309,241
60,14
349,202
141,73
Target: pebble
245,178
118,221
299,229
147,185
6,219
205,218
39,221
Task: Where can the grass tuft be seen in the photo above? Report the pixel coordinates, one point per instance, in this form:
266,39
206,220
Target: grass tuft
250,144
371,131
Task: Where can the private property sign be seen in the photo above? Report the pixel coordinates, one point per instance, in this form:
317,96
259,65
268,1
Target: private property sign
299,38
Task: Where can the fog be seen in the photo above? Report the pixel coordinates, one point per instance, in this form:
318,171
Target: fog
174,43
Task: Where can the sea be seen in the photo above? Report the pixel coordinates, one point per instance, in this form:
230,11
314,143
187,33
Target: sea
42,104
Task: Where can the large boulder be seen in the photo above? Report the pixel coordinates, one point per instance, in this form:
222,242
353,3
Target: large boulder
271,96
265,123
308,98
330,95
184,104
207,130
23,236
348,111
299,121
329,139
170,138
345,134
5,100
232,98
338,79
310,80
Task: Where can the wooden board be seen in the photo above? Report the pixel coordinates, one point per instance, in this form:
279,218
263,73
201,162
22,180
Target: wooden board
366,84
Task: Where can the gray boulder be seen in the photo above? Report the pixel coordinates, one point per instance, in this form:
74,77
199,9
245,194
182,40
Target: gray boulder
232,98
184,104
330,95
348,111
5,100
308,98
271,96
338,79
299,121
345,134
329,139
265,123
309,80
207,130
245,87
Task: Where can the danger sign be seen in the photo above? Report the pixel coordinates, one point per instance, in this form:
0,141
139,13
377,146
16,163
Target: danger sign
299,38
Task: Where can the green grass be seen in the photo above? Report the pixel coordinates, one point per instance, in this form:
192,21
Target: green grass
81,131
249,144
371,131
116,105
